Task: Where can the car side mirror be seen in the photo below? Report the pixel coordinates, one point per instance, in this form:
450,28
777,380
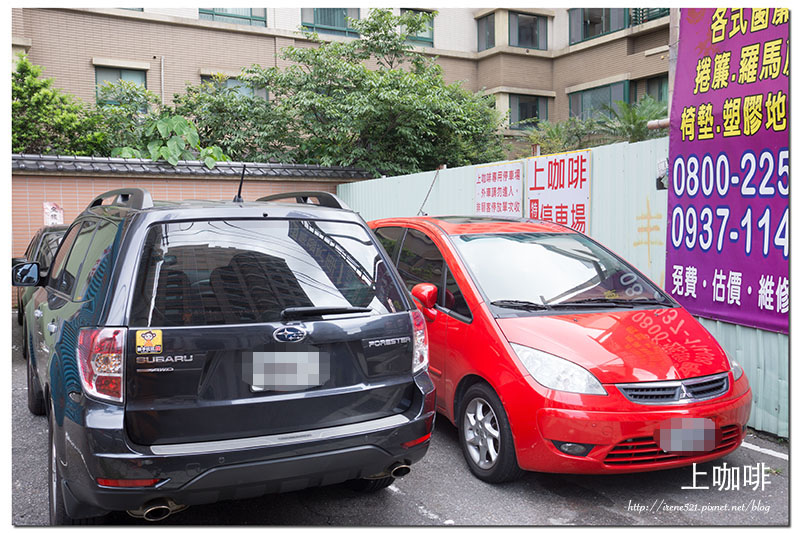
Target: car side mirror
25,275
426,293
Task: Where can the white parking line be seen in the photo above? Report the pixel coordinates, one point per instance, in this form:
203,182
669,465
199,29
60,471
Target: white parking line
421,509
755,448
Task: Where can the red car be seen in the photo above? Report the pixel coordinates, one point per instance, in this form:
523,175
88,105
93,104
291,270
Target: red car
552,354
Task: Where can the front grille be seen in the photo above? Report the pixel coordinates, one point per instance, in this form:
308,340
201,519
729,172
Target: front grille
709,388
676,392
644,450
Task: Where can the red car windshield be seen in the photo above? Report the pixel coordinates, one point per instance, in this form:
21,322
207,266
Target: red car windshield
534,271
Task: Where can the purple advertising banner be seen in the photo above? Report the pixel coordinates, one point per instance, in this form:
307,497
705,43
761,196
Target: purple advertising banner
728,223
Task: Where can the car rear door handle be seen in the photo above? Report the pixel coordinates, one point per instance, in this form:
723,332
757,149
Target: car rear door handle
51,327
37,313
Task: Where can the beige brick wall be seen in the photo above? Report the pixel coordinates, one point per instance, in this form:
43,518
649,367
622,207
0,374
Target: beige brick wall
616,57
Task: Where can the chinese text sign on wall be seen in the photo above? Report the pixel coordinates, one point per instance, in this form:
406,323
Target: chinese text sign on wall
53,214
728,224
559,188
498,189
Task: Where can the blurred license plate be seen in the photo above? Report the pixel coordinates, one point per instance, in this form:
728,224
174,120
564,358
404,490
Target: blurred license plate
287,371
687,436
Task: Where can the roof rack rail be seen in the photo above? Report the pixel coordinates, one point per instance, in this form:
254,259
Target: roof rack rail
133,198
325,199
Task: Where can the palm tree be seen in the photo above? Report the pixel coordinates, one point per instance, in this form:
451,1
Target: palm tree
628,122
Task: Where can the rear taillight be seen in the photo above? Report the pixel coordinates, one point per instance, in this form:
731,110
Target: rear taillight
104,482
100,360
420,361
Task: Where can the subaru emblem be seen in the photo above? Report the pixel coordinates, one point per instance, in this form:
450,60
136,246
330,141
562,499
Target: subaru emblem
290,334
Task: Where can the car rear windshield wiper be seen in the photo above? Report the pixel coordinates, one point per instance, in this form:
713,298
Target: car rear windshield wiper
520,304
293,312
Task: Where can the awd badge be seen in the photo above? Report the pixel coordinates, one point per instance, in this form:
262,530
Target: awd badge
148,341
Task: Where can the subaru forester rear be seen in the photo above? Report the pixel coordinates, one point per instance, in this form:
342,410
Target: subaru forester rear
224,351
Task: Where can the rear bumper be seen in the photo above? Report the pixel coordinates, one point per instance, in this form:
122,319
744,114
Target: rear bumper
240,468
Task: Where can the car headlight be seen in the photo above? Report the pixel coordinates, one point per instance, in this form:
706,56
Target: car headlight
557,373
736,368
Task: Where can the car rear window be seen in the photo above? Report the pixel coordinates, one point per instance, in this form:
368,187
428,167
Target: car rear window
248,271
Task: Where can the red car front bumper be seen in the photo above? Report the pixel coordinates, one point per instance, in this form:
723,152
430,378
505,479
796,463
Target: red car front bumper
623,441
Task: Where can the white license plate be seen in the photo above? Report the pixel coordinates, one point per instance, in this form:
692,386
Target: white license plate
286,371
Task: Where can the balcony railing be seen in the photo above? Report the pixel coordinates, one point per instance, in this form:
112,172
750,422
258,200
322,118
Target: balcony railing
642,15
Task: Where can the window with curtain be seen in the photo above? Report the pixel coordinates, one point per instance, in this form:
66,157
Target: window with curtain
104,75
250,16
486,32
329,20
527,31
586,23
658,88
589,103
237,84
524,107
424,37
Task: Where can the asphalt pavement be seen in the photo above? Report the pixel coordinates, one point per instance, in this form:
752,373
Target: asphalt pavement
440,490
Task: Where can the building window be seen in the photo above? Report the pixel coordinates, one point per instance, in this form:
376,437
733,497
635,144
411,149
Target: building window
527,31
486,32
255,16
524,107
590,103
237,84
330,20
424,37
587,23
658,88
642,15
104,75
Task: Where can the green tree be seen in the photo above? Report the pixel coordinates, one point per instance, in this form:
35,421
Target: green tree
139,125
46,121
397,117
628,122
571,134
245,127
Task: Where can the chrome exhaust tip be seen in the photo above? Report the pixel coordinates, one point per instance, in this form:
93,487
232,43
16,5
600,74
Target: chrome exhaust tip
400,471
156,510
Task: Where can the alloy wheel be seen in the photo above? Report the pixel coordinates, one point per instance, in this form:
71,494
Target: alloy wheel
481,433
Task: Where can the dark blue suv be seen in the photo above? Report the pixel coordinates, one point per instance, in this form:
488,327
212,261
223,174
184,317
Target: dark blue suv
197,351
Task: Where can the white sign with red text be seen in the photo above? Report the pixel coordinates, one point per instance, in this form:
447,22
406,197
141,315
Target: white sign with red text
498,189
559,188
53,214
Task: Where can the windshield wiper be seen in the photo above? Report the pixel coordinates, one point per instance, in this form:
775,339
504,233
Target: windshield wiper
520,304
292,312
595,302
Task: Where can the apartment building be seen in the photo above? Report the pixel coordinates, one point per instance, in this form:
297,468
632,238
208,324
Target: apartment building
546,63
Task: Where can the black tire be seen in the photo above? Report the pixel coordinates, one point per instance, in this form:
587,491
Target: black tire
488,446
35,395
370,485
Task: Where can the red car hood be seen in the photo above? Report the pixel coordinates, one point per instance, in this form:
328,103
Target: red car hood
624,346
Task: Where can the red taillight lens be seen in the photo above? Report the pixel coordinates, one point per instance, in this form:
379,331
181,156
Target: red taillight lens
420,360
416,442
127,482
100,361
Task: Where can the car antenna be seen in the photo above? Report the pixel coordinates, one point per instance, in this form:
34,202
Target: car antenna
238,197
